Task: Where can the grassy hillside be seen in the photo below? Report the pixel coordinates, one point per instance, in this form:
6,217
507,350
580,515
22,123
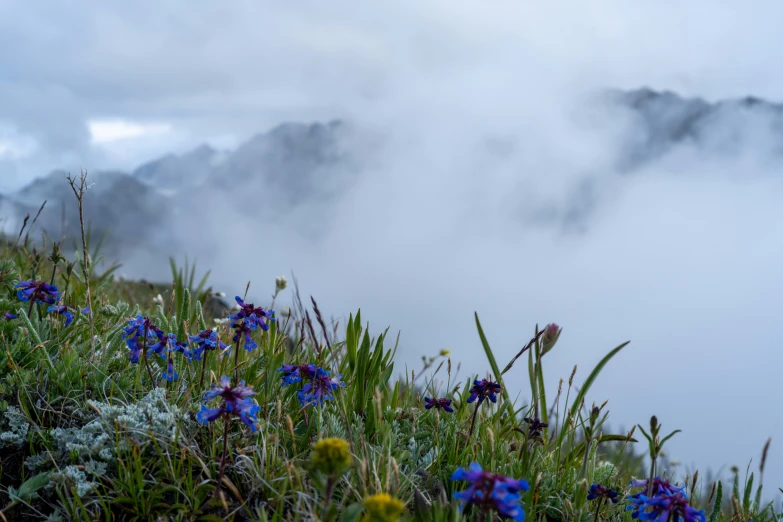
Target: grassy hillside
146,420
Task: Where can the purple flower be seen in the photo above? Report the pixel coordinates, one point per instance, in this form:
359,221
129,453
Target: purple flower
243,330
63,310
438,404
134,350
9,316
489,491
206,340
659,486
484,389
294,373
236,401
86,310
535,428
167,346
601,491
253,316
37,292
319,389
141,327
665,507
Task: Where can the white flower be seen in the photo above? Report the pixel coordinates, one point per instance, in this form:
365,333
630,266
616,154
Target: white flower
158,299
220,294
281,283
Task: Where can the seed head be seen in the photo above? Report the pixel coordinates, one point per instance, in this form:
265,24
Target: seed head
330,455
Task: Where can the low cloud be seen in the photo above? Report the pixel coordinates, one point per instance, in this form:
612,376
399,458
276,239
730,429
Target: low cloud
478,176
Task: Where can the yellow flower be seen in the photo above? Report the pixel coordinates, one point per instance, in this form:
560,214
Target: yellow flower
444,352
331,455
382,508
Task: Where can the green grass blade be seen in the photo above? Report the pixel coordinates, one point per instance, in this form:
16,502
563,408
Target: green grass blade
587,384
491,357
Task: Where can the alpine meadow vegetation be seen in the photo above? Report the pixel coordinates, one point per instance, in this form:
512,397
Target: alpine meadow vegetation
152,404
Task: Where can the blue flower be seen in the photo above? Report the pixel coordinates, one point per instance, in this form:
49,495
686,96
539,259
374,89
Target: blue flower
63,310
484,389
206,340
37,292
167,343
134,351
601,491
9,316
253,316
236,401
535,428
141,327
243,330
438,404
320,388
665,507
659,486
293,373
490,491
165,347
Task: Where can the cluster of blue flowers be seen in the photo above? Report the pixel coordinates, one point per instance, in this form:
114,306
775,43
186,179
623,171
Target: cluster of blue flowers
484,389
248,319
206,340
318,387
42,292
142,335
439,404
236,401
491,492
666,502
37,292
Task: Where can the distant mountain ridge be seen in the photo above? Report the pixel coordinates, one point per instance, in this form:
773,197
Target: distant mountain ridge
297,164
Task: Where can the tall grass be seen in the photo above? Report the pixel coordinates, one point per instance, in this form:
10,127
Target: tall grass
102,438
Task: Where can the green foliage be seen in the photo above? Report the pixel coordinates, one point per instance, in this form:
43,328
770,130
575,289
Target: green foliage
96,437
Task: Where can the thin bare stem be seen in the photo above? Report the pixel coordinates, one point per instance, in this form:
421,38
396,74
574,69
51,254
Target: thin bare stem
225,454
78,191
146,362
203,369
473,421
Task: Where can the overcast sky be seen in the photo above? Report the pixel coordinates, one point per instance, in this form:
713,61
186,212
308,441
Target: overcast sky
683,260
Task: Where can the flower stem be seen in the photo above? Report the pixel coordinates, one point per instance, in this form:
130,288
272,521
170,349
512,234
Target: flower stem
598,509
146,362
652,476
588,447
473,421
225,454
203,369
236,360
330,483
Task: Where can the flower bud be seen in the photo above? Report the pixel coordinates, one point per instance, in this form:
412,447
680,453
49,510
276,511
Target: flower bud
382,508
331,455
281,283
550,337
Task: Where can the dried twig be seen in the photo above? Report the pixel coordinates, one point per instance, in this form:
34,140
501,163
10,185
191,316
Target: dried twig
321,322
78,190
27,236
21,230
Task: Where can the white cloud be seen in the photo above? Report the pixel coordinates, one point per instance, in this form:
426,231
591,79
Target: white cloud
108,131
681,260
